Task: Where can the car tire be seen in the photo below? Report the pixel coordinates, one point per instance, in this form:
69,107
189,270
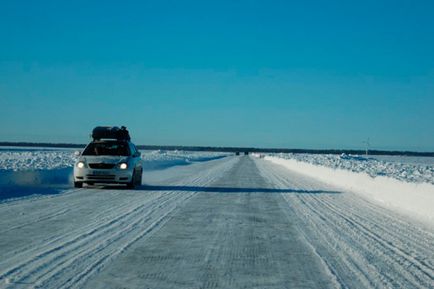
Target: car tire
131,185
78,184
139,179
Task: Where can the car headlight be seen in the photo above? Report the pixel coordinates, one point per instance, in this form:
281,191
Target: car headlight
80,165
123,166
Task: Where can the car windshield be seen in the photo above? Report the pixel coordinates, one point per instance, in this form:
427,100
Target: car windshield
112,148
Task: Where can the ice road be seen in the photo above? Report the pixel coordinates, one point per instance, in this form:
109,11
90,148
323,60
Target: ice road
235,222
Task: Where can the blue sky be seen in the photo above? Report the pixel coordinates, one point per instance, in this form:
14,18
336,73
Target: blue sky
311,74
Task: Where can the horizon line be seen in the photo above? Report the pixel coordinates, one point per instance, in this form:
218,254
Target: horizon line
250,149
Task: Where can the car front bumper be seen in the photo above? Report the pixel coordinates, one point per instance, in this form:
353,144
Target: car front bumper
87,175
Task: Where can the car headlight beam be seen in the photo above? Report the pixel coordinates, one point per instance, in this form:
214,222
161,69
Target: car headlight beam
80,165
123,166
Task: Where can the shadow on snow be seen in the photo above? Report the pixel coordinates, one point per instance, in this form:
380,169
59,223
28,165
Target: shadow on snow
214,189
17,184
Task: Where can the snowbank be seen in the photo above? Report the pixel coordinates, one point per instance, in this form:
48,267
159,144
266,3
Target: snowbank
34,159
416,199
18,159
158,159
407,169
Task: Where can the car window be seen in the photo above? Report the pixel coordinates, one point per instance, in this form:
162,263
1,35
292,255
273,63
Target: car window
107,149
132,149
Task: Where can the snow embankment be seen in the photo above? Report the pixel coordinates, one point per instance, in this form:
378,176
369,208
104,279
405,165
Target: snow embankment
22,159
158,159
34,159
411,198
403,168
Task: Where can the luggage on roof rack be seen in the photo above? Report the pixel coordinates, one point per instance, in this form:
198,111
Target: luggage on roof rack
110,132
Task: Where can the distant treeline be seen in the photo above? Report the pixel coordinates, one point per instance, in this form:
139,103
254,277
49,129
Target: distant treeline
41,144
233,149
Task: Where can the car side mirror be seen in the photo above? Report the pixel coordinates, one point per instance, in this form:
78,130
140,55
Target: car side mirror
77,153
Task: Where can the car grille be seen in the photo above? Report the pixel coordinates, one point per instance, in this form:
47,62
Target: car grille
101,177
101,166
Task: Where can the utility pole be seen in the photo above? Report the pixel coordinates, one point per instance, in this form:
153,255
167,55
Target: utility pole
367,143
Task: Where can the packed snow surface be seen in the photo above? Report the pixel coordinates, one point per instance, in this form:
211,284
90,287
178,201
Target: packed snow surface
407,169
234,222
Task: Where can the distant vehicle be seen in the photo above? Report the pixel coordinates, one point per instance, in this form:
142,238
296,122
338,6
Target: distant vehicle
237,153
111,158
246,153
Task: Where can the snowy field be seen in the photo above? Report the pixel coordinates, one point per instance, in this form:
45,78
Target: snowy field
18,159
27,171
403,168
420,161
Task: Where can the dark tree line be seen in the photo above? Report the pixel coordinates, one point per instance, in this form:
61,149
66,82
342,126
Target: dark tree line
232,149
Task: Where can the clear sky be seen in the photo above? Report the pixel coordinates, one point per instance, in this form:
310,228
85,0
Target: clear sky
296,74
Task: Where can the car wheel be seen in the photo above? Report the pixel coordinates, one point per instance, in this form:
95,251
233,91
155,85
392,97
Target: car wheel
132,184
139,178
78,184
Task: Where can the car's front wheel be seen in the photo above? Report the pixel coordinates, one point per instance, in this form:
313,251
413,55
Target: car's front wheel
139,178
136,180
78,184
133,181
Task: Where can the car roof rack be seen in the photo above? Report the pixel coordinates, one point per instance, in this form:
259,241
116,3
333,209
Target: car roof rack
111,132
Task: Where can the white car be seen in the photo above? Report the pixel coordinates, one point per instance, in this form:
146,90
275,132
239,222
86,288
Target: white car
109,160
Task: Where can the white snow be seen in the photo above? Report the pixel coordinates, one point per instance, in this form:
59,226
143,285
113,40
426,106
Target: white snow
23,159
62,240
363,244
159,159
410,193
48,159
243,219
407,169
415,160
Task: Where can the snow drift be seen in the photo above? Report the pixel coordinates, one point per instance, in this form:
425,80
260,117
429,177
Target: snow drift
404,168
18,159
416,199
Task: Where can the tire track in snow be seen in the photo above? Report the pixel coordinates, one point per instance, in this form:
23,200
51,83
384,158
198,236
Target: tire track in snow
396,252
233,236
126,234
99,218
36,220
65,203
363,243
84,239
69,260
369,245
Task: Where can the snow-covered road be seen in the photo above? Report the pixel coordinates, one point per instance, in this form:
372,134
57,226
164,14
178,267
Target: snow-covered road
236,222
